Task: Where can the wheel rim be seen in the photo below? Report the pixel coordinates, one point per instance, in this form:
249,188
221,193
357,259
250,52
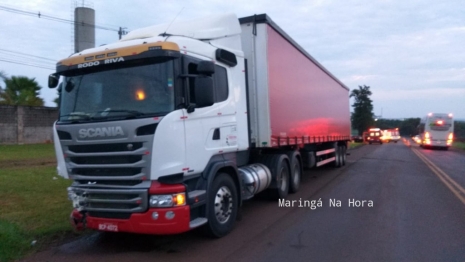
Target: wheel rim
283,179
223,204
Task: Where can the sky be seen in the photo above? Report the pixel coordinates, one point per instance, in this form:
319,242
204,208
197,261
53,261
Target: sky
410,53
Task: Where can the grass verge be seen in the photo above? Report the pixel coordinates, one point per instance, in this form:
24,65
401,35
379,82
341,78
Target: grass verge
33,201
459,145
353,145
20,152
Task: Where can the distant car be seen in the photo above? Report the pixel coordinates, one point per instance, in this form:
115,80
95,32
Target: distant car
374,136
417,139
357,139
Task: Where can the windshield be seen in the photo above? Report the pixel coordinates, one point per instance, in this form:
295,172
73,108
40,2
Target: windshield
134,92
440,124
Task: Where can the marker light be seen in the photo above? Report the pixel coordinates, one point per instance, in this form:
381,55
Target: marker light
180,199
450,115
140,95
440,122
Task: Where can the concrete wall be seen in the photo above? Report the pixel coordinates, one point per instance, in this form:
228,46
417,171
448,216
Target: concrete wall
26,124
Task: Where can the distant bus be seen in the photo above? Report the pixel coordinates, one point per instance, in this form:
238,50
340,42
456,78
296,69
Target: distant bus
391,135
436,130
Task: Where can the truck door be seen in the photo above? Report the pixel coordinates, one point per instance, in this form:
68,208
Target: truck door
202,127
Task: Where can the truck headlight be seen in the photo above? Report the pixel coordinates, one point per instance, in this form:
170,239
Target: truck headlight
178,199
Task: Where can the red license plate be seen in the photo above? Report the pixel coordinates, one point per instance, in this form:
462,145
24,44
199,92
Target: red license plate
108,227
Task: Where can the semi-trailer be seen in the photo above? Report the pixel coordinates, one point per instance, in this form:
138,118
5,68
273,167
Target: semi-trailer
174,126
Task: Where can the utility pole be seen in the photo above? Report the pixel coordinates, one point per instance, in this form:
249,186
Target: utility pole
121,32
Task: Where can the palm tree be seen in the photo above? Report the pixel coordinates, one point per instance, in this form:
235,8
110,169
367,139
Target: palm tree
21,90
3,76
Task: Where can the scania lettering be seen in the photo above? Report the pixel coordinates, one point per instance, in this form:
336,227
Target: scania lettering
197,117
101,132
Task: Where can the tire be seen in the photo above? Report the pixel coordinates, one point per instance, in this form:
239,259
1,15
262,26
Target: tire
280,172
222,206
343,155
282,180
369,143
337,155
296,173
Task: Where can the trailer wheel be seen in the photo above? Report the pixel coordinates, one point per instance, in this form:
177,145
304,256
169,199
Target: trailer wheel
222,206
343,155
337,155
296,173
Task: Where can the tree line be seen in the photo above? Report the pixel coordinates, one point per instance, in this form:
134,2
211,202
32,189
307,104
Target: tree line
363,118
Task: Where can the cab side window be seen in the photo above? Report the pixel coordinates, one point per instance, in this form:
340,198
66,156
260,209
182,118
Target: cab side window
220,80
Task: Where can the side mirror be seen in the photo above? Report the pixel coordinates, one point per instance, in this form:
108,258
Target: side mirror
206,68
203,89
53,80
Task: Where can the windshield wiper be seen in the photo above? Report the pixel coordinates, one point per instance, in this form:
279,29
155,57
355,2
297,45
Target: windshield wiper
75,117
105,114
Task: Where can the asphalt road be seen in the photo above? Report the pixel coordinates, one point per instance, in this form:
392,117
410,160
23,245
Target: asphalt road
417,214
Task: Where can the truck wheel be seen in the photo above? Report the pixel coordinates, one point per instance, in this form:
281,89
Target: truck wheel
282,179
337,155
296,173
222,206
279,168
343,155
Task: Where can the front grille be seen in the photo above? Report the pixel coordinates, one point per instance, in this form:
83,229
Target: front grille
104,160
113,200
107,172
101,148
110,182
111,176
112,165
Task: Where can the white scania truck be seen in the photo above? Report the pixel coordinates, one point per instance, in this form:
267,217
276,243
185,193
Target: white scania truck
175,125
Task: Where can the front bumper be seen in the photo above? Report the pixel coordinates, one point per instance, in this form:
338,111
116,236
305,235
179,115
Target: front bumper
170,220
142,223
